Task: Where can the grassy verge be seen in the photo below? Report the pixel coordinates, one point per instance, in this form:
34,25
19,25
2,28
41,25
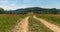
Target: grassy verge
51,18
36,26
8,21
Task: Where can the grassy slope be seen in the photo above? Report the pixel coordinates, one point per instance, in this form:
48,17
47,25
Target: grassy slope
7,22
51,18
36,26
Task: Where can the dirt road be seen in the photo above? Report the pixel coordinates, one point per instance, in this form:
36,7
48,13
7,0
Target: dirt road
22,26
53,27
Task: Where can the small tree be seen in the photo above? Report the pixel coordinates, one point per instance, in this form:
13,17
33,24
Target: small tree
1,10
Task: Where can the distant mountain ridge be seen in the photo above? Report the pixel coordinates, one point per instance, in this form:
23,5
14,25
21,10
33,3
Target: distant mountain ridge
36,10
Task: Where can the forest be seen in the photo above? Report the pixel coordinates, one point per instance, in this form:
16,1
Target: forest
36,10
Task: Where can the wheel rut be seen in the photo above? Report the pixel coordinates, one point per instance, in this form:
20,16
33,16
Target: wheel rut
53,27
22,26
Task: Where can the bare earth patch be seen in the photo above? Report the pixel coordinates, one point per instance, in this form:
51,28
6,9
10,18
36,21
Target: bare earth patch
22,26
53,27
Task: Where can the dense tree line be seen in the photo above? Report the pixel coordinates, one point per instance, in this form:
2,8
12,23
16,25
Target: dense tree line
36,10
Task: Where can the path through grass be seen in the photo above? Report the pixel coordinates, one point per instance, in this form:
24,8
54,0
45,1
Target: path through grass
36,26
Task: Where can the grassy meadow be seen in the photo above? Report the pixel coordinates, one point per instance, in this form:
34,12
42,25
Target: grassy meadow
51,18
8,21
36,26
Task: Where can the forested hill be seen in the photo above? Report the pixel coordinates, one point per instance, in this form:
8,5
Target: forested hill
36,10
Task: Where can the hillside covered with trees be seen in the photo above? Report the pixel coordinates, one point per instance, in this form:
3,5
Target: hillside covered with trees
36,10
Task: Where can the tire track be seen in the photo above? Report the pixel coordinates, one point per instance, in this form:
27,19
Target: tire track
53,27
22,26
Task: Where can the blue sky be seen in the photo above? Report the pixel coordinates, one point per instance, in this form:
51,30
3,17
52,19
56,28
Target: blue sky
15,4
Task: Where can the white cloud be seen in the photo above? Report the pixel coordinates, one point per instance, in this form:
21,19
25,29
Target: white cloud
7,4
12,7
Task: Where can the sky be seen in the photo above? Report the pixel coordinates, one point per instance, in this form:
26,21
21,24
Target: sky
16,4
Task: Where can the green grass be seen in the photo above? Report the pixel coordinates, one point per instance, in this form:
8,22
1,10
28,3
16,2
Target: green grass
8,21
51,18
36,26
